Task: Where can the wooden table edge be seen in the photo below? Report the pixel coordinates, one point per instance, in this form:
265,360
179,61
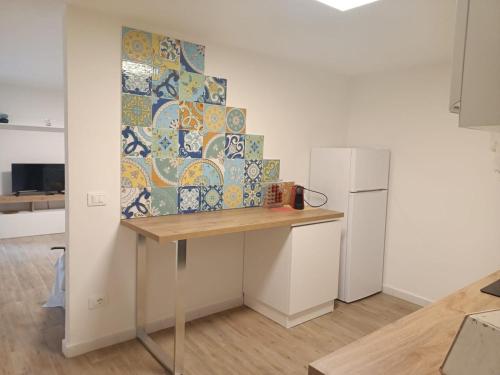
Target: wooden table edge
317,367
325,216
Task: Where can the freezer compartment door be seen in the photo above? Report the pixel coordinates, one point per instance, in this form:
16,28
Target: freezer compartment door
369,169
365,244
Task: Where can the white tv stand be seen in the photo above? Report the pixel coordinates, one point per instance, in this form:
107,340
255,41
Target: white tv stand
20,222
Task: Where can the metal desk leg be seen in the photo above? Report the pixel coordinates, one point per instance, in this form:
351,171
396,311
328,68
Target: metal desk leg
175,366
180,310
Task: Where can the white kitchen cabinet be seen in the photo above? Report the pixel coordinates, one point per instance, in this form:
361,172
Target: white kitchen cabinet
475,88
291,274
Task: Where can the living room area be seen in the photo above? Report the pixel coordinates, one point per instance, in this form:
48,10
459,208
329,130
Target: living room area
32,200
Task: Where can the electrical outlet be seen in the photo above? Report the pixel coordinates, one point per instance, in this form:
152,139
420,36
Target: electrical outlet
97,301
96,199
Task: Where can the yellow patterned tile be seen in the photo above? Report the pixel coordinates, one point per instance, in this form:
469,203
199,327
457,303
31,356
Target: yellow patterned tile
166,52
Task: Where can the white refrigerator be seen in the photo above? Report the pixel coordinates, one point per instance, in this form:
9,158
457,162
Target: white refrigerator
356,182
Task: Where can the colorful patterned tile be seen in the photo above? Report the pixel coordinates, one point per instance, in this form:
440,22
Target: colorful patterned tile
233,196
135,172
136,78
214,119
165,143
136,141
235,146
136,45
166,84
213,146
164,172
213,172
190,144
254,147
215,90
236,120
192,57
191,86
252,195
165,114
166,52
253,171
190,172
211,198
271,171
234,171
135,202
191,116
189,199
136,110
164,201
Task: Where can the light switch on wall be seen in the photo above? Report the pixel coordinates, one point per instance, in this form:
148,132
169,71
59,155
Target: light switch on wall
96,199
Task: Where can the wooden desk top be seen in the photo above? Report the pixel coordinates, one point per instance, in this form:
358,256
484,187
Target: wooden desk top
4,199
415,344
204,224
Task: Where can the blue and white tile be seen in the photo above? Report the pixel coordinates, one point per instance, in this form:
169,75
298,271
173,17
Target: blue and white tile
136,141
192,57
136,78
253,171
212,198
234,171
165,143
135,202
189,199
190,144
213,172
165,114
166,84
235,146
215,90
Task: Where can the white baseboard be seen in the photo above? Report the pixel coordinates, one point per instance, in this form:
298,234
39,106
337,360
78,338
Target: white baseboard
72,350
407,296
288,321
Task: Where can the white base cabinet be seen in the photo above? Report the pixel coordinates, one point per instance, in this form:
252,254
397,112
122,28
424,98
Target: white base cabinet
291,274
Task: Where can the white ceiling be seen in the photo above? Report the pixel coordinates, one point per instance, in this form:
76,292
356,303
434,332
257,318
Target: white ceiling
387,34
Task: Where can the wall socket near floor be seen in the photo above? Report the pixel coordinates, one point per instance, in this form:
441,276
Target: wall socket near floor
96,198
97,301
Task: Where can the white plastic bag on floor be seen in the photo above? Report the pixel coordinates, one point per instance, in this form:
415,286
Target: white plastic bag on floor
56,299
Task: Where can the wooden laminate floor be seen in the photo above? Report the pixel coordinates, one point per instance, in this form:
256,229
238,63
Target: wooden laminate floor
238,341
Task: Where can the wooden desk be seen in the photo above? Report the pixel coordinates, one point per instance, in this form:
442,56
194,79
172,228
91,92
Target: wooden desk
32,199
415,344
180,228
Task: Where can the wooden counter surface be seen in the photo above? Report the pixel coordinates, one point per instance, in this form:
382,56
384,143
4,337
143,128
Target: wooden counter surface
204,224
415,344
11,199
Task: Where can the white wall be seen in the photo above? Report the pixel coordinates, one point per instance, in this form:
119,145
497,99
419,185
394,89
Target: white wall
294,107
30,106
444,199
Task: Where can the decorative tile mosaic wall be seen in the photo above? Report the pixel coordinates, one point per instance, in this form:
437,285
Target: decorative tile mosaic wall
183,150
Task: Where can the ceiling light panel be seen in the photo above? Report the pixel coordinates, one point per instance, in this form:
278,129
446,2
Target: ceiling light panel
344,5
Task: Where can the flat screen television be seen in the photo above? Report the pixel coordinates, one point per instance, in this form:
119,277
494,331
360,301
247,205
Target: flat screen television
37,178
